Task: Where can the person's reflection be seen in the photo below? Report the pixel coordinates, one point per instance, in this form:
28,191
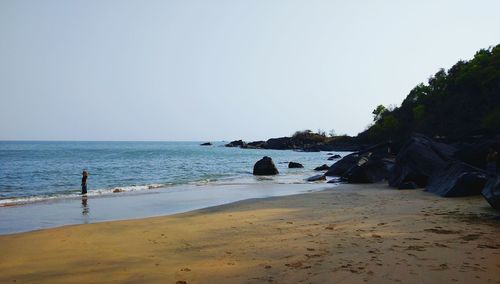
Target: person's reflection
85,207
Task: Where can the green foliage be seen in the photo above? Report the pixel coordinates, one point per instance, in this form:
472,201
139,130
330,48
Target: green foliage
307,136
378,112
418,112
459,102
492,120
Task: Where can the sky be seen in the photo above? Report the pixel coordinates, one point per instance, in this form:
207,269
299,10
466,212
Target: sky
214,70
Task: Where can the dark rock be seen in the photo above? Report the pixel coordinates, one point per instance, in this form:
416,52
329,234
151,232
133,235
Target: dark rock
329,154
337,156
324,167
236,143
206,144
418,159
408,185
475,154
457,179
256,144
282,143
117,190
343,165
369,169
265,166
491,192
293,165
316,178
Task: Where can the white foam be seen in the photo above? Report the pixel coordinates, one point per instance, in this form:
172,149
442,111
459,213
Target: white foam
92,192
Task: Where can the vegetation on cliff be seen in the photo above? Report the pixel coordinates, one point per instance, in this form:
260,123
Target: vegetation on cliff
461,102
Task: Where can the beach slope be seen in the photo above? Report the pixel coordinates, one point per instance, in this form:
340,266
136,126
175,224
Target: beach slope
346,234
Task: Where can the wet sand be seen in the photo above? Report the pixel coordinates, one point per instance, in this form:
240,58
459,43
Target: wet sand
348,234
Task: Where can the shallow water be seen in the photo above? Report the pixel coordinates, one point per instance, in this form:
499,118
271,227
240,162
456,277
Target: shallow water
31,171
132,205
40,181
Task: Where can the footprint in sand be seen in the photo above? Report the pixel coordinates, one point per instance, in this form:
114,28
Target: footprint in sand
470,237
185,269
438,230
416,248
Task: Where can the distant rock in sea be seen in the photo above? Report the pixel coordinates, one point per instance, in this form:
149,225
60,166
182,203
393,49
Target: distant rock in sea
206,144
333,157
236,143
265,166
323,167
294,165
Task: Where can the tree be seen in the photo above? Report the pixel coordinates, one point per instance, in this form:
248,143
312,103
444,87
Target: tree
418,112
378,112
332,133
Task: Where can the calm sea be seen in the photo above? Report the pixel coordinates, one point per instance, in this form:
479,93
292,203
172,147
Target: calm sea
31,171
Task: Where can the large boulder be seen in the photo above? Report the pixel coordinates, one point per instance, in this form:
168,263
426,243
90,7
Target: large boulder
418,159
475,153
264,167
236,143
343,165
457,179
294,165
368,170
491,192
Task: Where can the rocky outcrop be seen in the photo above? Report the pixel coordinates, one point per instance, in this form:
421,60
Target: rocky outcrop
253,145
294,165
206,144
368,170
491,192
475,153
457,179
265,166
323,167
316,178
418,159
343,165
282,143
236,143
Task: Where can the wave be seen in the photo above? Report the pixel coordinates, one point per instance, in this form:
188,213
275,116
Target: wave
242,179
76,194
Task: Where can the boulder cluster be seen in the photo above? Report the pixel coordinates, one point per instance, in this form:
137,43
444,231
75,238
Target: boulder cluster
421,162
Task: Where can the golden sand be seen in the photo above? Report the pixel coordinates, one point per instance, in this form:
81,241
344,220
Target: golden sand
349,234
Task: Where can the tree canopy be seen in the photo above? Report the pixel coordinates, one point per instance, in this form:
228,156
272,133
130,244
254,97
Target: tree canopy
459,102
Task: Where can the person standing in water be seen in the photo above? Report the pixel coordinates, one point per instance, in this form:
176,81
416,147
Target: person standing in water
85,175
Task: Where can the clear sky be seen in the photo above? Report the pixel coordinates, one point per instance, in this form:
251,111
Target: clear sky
221,70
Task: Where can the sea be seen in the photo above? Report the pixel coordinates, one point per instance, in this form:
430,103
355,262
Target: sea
46,176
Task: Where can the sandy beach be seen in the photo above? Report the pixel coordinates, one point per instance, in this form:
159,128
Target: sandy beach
346,234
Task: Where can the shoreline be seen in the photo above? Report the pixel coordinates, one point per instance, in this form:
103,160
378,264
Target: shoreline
348,234
83,209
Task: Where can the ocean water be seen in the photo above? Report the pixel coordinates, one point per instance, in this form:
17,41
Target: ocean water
37,171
